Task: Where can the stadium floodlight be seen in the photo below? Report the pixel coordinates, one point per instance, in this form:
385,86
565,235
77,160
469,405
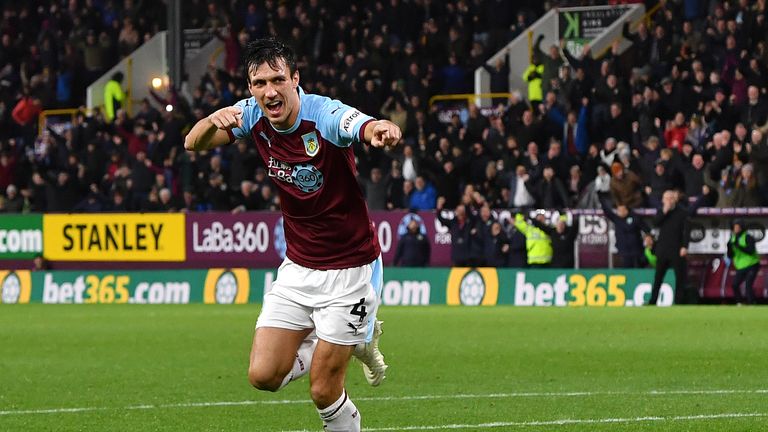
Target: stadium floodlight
169,107
157,82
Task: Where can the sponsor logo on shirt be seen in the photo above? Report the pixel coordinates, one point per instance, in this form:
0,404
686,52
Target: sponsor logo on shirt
349,120
279,170
306,177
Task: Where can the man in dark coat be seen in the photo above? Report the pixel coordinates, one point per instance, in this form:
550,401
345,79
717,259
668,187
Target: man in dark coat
628,228
413,249
672,245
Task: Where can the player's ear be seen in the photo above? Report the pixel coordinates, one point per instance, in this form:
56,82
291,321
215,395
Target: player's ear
295,79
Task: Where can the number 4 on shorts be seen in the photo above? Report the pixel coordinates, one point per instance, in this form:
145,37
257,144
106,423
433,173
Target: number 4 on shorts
358,309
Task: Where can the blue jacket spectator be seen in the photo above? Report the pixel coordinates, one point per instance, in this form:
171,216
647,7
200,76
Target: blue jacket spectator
424,195
575,130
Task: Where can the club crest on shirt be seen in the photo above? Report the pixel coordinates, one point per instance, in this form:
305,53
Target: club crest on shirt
311,143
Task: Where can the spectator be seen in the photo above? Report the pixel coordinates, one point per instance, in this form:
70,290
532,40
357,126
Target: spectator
629,229
460,228
754,113
625,187
14,203
672,246
496,247
562,238
538,245
520,196
575,134
247,198
676,132
447,184
424,195
413,249
551,61
695,176
518,253
549,190
659,182
746,192
114,97
533,76
746,261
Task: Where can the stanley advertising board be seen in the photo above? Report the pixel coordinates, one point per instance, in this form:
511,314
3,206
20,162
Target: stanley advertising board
114,237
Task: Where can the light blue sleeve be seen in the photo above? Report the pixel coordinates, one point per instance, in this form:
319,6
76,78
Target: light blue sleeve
337,122
251,114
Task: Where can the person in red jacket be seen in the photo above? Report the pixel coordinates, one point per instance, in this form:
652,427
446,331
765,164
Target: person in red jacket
26,110
25,115
676,132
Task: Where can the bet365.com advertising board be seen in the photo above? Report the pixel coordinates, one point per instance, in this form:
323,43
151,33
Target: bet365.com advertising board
402,286
21,236
211,286
490,286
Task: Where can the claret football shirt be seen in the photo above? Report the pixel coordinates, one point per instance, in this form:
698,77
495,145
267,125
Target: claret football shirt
312,164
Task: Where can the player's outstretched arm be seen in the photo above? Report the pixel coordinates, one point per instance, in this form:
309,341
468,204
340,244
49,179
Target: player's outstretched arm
213,130
383,133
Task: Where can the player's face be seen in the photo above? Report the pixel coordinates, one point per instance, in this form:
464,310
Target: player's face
276,93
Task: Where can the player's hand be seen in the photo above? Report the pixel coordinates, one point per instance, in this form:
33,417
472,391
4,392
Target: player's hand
386,135
227,118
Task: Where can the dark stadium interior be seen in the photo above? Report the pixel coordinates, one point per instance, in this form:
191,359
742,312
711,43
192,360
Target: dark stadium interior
685,107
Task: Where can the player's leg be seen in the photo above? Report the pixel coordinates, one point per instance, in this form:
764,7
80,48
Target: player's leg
738,279
661,269
368,353
329,367
685,296
284,343
274,359
749,286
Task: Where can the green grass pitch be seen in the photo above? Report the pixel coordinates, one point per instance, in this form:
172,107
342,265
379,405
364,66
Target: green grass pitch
183,368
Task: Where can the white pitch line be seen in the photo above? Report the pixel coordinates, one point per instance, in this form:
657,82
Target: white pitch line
562,422
382,399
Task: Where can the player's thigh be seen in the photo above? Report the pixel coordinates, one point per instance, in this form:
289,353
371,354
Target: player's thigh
274,350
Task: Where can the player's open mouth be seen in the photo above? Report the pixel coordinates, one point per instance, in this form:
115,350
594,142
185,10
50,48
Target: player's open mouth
274,107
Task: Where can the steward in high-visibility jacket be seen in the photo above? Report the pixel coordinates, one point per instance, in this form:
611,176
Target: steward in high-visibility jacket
532,76
537,242
114,97
746,261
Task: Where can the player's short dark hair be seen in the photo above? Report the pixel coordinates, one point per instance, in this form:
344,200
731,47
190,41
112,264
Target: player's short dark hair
271,51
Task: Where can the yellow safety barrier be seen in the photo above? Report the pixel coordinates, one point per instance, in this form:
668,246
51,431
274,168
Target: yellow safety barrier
467,96
54,112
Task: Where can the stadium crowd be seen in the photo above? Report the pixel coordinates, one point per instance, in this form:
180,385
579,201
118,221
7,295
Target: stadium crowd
684,108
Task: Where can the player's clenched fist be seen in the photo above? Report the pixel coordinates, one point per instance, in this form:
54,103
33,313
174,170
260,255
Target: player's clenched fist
227,118
386,134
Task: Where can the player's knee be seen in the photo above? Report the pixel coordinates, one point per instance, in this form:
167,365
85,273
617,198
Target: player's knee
322,393
264,380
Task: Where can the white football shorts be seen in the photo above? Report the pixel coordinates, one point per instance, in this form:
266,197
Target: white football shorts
340,305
